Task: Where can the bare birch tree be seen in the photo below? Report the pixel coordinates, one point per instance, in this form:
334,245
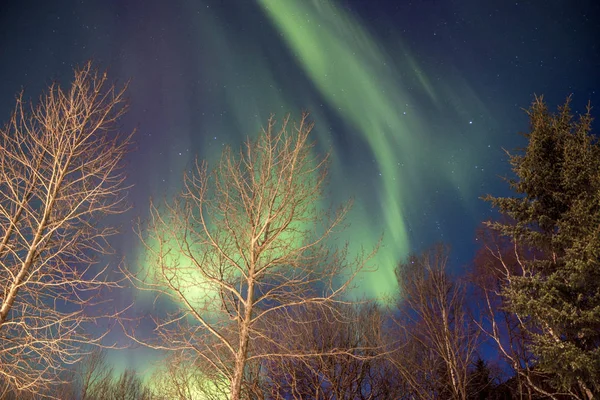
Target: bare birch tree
438,337
242,245
60,173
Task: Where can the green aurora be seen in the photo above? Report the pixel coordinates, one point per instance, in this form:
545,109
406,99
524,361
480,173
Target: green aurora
373,107
341,72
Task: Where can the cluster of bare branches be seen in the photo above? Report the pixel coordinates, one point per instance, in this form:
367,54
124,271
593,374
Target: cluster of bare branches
241,249
437,335
348,362
180,379
60,174
94,378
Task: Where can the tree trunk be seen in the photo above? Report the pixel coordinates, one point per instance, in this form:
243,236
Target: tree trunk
242,354
238,373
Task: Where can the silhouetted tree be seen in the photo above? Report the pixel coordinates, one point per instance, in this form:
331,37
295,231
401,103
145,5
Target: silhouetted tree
481,382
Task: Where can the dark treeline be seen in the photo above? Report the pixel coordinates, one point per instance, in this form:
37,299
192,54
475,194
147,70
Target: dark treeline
256,295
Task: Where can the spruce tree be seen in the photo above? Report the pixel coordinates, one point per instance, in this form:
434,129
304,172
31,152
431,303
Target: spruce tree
556,214
481,383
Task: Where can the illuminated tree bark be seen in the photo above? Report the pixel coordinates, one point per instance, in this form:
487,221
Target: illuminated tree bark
60,174
438,339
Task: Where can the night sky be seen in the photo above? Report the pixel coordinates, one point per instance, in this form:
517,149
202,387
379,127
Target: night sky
416,100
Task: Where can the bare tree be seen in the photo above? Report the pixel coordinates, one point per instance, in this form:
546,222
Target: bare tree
92,376
438,339
241,245
177,379
349,361
60,174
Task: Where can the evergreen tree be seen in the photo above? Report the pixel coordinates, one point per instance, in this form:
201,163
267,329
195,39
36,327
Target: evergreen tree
481,383
556,213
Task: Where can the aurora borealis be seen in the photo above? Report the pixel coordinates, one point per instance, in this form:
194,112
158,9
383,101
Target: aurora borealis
416,100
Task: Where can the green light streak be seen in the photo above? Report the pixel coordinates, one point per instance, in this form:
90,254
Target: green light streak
333,67
339,72
357,78
353,75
